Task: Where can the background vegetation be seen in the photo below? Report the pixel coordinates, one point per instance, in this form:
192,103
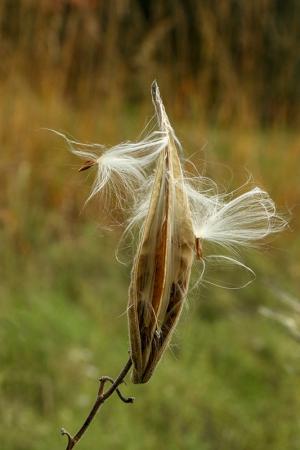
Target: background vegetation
229,72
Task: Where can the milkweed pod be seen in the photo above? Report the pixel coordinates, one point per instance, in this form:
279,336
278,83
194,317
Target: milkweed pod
162,265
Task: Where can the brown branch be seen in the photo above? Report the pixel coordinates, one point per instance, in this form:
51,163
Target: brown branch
101,397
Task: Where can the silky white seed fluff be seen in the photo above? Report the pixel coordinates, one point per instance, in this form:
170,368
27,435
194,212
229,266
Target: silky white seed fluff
121,169
234,221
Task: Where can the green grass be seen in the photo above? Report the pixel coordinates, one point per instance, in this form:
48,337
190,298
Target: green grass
229,381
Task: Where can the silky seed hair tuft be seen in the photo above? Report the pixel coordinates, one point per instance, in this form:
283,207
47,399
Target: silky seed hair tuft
121,169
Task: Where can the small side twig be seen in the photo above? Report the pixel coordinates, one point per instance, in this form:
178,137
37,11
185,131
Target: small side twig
101,397
121,396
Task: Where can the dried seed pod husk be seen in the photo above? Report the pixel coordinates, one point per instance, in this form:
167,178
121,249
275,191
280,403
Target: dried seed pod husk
162,266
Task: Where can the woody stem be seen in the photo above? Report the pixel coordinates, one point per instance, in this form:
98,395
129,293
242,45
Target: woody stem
101,397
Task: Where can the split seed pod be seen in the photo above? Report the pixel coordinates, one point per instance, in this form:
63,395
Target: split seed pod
162,265
180,214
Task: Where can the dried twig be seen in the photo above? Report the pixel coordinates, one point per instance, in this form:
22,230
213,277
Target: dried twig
101,397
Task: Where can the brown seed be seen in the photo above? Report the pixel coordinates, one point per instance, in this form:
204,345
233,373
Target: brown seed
89,163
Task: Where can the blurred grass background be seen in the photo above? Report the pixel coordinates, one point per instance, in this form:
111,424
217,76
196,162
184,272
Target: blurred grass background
230,74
